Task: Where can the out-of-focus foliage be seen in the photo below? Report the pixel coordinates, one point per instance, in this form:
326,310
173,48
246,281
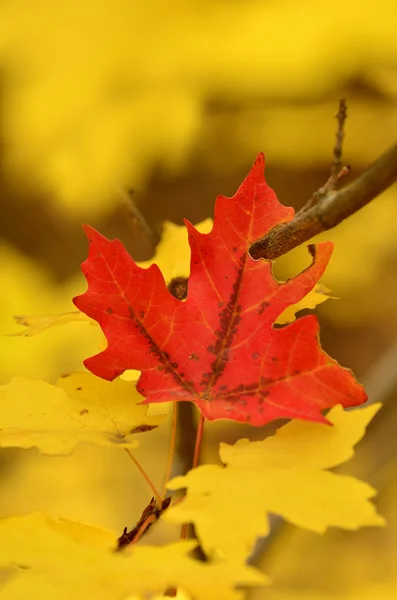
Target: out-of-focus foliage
384,592
96,94
28,288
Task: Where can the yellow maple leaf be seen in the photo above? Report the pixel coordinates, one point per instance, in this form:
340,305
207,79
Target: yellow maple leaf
80,408
45,558
282,475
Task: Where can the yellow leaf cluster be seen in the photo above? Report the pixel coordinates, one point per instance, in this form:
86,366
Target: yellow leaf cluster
284,475
45,558
80,408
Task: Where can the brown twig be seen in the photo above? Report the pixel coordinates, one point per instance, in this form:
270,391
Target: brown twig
336,166
337,171
331,208
149,516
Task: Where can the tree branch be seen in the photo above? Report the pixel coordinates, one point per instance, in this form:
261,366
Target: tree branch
330,209
338,148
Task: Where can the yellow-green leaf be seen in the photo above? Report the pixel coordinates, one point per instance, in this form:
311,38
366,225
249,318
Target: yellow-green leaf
45,558
282,475
80,408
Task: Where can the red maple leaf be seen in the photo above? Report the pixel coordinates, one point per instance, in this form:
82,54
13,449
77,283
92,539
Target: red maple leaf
219,348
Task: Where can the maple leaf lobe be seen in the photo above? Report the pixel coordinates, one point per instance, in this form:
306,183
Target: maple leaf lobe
219,348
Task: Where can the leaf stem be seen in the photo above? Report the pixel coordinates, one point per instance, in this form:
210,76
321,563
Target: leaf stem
196,460
145,476
199,439
171,449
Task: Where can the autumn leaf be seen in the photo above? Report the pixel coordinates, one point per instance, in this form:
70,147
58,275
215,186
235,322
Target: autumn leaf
80,408
219,349
46,558
284,475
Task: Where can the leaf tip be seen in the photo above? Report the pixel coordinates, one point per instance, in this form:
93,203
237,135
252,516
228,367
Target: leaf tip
259,164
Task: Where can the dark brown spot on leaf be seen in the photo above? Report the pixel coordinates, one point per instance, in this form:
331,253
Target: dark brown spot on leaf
109,310
84,411
263,305
178,287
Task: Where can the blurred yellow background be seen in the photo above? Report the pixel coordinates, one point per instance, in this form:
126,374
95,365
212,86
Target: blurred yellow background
125,114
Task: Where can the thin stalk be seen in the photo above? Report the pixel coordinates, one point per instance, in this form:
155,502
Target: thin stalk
171,450
196,460
145,476
199,439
